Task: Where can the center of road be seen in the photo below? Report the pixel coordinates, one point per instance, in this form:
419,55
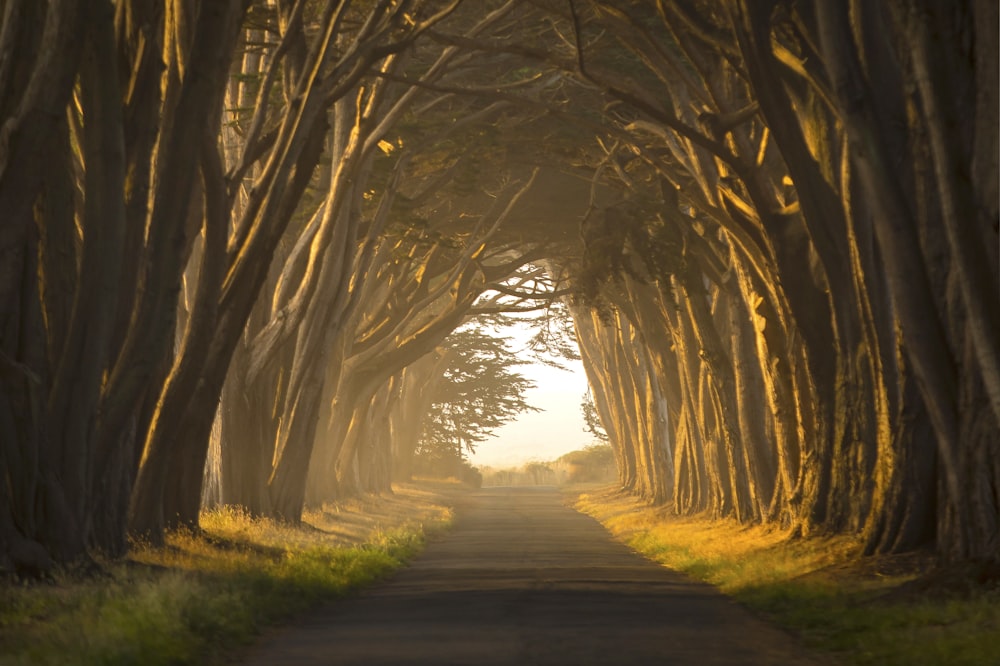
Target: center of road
523,579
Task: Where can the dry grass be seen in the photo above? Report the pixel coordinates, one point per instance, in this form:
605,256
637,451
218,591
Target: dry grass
204,594
873,611
752,555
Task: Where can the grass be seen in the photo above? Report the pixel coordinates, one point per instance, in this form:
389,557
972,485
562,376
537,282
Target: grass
204,595
884,611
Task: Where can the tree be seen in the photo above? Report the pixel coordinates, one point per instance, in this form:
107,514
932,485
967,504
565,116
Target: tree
82,349
168,488
595,462
779,220
774,265
829,239
98,246
477,393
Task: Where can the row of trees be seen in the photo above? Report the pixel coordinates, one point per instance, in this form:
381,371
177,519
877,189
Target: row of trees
595,463
203,202
777,228
800,323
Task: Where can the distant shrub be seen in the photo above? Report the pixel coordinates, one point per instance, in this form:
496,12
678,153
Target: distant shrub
592,463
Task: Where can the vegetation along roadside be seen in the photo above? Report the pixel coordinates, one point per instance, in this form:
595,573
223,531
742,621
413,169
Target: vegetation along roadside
885,611
204,594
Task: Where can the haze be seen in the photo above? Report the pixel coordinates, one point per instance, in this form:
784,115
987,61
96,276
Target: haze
544,435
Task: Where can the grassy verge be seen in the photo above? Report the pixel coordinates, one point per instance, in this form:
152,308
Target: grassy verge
883,611
202,595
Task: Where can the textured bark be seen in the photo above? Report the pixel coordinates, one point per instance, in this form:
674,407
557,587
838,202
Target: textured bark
34,99
792,312
752,412
189,129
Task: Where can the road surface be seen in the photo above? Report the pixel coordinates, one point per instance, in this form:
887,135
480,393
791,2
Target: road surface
522,579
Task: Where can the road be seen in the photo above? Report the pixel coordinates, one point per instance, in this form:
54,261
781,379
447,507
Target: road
523,579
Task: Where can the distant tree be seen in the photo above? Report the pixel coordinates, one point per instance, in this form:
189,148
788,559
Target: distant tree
478,392
538,473
593,454
591,463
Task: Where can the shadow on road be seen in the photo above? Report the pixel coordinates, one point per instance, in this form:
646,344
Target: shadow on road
524,579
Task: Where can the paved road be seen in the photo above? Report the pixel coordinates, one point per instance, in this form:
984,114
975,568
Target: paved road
522,579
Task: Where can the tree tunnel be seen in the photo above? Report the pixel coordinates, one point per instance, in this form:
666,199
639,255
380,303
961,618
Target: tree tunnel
244,228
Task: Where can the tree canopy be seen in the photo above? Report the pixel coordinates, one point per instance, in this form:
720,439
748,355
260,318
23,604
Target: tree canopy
236,233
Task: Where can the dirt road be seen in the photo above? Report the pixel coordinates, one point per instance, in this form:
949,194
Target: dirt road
523,579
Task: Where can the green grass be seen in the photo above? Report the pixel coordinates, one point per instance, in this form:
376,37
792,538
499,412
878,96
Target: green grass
868,611
202,596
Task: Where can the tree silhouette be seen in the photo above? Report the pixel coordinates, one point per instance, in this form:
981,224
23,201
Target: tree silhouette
478,392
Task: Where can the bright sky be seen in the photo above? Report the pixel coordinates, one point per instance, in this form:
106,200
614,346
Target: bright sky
544,435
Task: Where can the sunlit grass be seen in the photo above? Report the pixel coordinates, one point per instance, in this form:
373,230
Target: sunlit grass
204,594
860,611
